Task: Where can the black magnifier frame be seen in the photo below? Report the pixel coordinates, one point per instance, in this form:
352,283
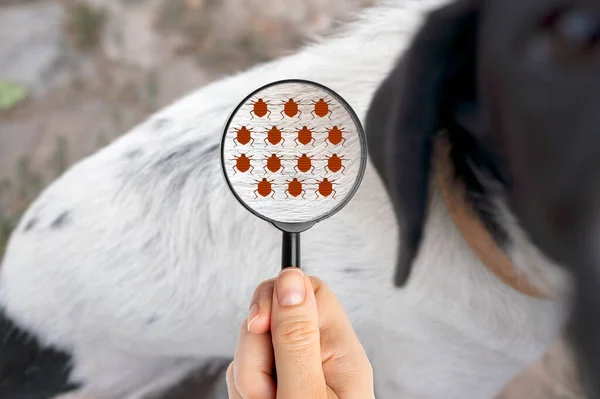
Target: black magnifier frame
290,248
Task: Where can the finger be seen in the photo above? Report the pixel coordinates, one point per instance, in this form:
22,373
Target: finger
346,367
231,389
295,336
253,365
259,318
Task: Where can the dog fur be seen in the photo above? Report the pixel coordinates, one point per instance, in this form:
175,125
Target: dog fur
137,264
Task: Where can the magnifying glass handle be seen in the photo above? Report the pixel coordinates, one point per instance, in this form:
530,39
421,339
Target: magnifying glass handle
290,250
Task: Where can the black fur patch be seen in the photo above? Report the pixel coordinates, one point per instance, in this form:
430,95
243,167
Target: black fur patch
30,224
27,369
204,383
60,221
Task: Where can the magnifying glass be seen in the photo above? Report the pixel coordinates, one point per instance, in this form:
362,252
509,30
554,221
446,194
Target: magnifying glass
293,153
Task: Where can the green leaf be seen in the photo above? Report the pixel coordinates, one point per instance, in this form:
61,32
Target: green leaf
11,94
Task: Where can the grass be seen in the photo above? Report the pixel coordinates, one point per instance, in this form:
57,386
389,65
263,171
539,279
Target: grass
85,25
11,95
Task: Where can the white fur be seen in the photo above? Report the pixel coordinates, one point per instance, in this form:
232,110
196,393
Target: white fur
153,271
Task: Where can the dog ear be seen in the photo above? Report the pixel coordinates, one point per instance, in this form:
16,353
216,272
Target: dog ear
430,89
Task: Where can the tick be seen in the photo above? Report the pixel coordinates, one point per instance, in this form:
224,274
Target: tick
242,163
290,108
295,188
243,137
334,136
273,164
274,136
325,188
264,188
260,108
305,137
334,164
304,164
321,108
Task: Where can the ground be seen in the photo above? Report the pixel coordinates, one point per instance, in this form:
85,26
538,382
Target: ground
74,74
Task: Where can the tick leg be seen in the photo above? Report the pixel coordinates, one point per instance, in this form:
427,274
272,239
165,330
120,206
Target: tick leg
299,114
313,142
282,141
269,115
252,114
282,116
343,142
296,141
343,168
255,195
313,114
312,170
326,166
334,192
317,194
286,196
273,195
296,169
304,193
234,172
330,112
266,141
265,169
252,143
235,141
326,142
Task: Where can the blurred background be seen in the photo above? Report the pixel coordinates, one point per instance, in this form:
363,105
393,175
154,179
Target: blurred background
76,74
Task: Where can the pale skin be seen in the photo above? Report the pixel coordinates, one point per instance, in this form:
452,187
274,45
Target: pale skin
297,326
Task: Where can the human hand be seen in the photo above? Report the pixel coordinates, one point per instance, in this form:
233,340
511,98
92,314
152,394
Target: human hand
297,325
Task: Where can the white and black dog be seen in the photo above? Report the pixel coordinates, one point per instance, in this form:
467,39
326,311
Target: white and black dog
136,267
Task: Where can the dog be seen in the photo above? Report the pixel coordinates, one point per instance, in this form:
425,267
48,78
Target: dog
134,269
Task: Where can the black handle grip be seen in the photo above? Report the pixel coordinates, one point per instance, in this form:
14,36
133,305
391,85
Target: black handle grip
290,250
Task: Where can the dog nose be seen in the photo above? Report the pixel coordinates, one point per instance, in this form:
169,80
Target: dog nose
29,369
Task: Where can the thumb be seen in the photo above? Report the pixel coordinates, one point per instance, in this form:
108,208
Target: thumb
296,337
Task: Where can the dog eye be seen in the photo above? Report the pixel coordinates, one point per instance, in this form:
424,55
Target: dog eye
574,31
